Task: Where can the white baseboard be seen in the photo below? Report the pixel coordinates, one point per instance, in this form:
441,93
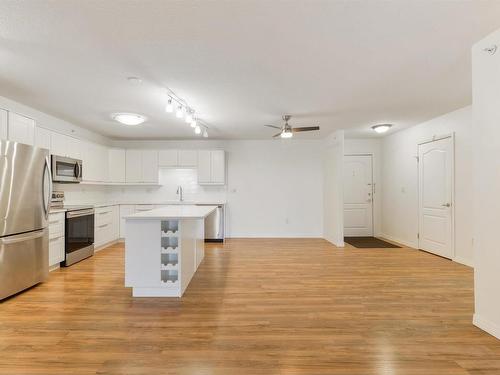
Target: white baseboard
486,325
399,240
465,262
102,247
54,267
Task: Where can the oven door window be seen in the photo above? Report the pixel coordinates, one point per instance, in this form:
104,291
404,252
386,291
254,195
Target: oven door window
64,169
79,232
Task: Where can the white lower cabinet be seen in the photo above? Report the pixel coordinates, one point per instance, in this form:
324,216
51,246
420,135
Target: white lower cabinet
56,238
106,225
125,210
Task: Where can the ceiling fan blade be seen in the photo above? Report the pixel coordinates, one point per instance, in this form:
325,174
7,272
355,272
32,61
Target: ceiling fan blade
305,129
272,126
277,135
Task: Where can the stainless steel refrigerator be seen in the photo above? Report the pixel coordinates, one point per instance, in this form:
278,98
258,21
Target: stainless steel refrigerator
25,190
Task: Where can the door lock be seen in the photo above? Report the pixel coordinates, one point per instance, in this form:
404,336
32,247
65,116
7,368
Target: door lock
446,205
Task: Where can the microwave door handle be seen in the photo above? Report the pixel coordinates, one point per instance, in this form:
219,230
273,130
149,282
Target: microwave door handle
76,170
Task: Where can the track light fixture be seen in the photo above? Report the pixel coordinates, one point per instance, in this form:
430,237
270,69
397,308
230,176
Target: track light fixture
169,108
183,110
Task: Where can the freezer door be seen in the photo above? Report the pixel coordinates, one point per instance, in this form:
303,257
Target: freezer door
24,261
25,188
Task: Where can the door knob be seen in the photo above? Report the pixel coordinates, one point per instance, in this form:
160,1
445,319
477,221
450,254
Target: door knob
446,205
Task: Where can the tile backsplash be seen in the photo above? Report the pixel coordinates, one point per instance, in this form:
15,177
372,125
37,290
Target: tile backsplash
169,180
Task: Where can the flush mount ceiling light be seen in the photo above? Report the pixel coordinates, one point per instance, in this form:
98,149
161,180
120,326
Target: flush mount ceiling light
134,80
381,128
130,119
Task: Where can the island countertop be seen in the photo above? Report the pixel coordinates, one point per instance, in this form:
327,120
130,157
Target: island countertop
174,212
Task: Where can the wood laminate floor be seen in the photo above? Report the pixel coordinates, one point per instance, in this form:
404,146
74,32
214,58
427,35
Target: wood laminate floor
256,306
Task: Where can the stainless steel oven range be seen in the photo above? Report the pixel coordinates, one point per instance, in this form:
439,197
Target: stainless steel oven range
79,235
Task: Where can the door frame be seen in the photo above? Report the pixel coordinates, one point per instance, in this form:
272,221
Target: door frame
373,185
425,141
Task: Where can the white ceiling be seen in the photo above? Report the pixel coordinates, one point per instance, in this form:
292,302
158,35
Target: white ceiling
241,64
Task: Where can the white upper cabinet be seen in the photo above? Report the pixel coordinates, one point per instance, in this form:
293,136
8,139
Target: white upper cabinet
204,168
59,145
150,166
64,145
141,166
3,123
178,158
133,166
211,167
21,129
116,165
188,158
42,138
95,166
168,158
218,165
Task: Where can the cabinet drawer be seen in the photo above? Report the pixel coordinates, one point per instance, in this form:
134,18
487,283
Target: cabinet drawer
56,250
56,225
56,230
105,217
103,234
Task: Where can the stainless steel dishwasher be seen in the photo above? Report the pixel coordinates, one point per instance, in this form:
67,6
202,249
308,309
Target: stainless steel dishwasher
214,224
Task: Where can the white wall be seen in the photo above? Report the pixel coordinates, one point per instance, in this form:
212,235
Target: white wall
370,146
333,208
486,99
400,180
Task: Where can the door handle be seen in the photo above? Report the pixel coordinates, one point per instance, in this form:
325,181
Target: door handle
22,237
446,205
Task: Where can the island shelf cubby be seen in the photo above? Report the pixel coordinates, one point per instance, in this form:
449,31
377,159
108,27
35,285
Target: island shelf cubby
169,228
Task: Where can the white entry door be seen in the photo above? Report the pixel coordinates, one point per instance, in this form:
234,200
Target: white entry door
435,175
358,195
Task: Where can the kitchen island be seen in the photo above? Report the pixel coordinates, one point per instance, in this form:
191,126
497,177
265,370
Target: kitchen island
163,249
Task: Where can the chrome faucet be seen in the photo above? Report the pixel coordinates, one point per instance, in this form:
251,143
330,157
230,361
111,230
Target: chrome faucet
179,193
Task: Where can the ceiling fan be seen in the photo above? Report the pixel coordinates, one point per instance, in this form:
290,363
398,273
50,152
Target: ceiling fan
286,131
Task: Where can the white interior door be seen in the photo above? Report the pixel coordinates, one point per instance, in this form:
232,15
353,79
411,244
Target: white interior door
435,175
358,195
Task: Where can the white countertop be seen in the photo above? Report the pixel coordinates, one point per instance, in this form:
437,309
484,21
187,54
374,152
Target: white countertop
174,212
106,204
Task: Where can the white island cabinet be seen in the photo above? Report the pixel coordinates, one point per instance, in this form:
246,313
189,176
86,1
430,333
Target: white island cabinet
163,249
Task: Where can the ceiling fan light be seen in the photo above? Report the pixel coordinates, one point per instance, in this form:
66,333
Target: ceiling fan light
381,128
286,134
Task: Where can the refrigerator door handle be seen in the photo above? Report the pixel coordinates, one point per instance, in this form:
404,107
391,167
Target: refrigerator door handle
22,237
46,205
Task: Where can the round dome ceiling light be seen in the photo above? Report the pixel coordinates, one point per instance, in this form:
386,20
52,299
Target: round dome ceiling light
134,80
381,128
130,119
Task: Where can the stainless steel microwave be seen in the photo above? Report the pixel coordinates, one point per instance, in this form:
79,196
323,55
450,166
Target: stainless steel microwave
66,169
